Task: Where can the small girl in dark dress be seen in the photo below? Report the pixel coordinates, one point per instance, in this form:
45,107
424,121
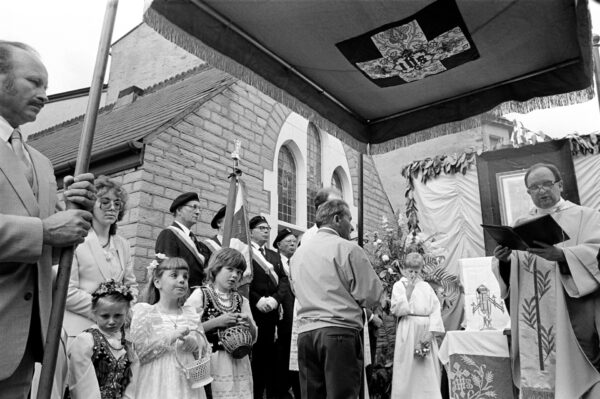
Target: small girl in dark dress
100,357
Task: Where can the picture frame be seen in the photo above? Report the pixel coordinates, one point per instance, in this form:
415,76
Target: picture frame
512,196
505,165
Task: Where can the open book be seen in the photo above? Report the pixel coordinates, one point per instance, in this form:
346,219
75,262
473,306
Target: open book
522,236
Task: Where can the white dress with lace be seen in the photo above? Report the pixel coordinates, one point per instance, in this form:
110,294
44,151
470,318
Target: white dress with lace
158,374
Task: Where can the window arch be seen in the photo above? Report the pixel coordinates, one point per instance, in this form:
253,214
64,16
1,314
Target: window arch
313,172
286,187
336,181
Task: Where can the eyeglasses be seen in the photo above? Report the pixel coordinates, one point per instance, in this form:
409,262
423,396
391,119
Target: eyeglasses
105,203
195,207
547,185
264,228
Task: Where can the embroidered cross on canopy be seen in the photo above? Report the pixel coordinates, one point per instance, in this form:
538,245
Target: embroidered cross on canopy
432,41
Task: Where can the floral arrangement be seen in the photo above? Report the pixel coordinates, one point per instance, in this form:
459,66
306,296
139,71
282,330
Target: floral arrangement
423,349
112,287
158,258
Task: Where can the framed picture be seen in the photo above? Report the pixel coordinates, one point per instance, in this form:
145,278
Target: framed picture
500,174
512,195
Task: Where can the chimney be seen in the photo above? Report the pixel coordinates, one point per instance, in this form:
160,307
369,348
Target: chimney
128,96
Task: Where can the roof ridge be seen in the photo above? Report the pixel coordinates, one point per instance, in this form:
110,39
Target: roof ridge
176,78
68,122
108,107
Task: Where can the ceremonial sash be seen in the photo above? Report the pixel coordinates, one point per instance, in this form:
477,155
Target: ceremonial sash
265,265
213,245
187,241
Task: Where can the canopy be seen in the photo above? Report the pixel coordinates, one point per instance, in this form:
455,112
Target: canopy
389,73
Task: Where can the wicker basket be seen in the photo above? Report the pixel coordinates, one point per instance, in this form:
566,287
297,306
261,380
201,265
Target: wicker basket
236,340
198,372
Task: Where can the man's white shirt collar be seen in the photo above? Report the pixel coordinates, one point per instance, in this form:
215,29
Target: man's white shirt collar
185,229
6,131
557,207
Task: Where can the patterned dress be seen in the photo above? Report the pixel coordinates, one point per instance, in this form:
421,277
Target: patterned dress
232,377
158,375
98,369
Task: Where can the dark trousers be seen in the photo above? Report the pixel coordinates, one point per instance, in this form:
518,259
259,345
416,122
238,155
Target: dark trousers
330,360
264,359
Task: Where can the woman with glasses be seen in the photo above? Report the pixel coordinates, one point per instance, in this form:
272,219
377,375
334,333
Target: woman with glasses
104,255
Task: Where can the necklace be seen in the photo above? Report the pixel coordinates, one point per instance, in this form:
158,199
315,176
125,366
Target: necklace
225,303
179,312
108,342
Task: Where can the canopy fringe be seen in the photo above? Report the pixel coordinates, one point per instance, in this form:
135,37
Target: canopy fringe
559,100
194,46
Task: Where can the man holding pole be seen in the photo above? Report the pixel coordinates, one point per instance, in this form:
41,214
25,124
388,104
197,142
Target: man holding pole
29,226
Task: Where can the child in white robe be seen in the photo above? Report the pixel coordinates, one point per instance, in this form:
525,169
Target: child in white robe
417,372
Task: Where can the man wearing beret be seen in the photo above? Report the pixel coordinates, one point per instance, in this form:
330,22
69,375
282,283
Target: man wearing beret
178,240
286,243
269,287
216,242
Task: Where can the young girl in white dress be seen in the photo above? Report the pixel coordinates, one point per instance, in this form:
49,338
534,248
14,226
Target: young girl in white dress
100,358
221,306
417,373
162,329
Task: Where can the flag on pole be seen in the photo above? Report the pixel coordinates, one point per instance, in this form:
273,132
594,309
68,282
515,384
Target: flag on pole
239,233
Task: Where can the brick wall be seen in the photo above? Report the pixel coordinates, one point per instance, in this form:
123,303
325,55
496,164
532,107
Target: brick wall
142,58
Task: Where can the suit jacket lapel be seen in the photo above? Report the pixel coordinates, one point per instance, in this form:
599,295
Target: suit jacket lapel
181,236
8,162
39,163
94,246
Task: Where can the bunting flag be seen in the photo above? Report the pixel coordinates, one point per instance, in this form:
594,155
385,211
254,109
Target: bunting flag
239,232
431,41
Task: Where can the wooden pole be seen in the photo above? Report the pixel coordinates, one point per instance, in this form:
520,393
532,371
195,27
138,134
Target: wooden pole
361,196
596,58
83,161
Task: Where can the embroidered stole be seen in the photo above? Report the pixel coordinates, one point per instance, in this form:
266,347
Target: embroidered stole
187,242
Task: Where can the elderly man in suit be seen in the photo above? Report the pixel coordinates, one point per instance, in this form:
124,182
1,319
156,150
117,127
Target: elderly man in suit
269,287
215,242
178,240
29,226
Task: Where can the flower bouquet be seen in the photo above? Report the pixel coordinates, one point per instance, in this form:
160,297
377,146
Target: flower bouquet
423,349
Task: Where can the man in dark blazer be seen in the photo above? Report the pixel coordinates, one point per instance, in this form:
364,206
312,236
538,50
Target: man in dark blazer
286,244
215,242
269,287
179,241
30,227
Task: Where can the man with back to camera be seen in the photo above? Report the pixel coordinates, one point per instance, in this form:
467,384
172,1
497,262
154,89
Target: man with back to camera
333,281
178,240
554,297
29,226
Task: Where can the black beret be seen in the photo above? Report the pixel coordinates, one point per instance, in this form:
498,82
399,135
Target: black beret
256,220
283,233
182,200
218,216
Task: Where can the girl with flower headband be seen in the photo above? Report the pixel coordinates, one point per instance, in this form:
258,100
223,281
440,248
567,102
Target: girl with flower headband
100,358
417,372
221,306
164,330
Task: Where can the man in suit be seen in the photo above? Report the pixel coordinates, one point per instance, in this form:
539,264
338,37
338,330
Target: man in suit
29,226
286,242
269,287
215,242
178,240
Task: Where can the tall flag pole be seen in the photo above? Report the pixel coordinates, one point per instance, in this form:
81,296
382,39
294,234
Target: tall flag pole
82,165
235,232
